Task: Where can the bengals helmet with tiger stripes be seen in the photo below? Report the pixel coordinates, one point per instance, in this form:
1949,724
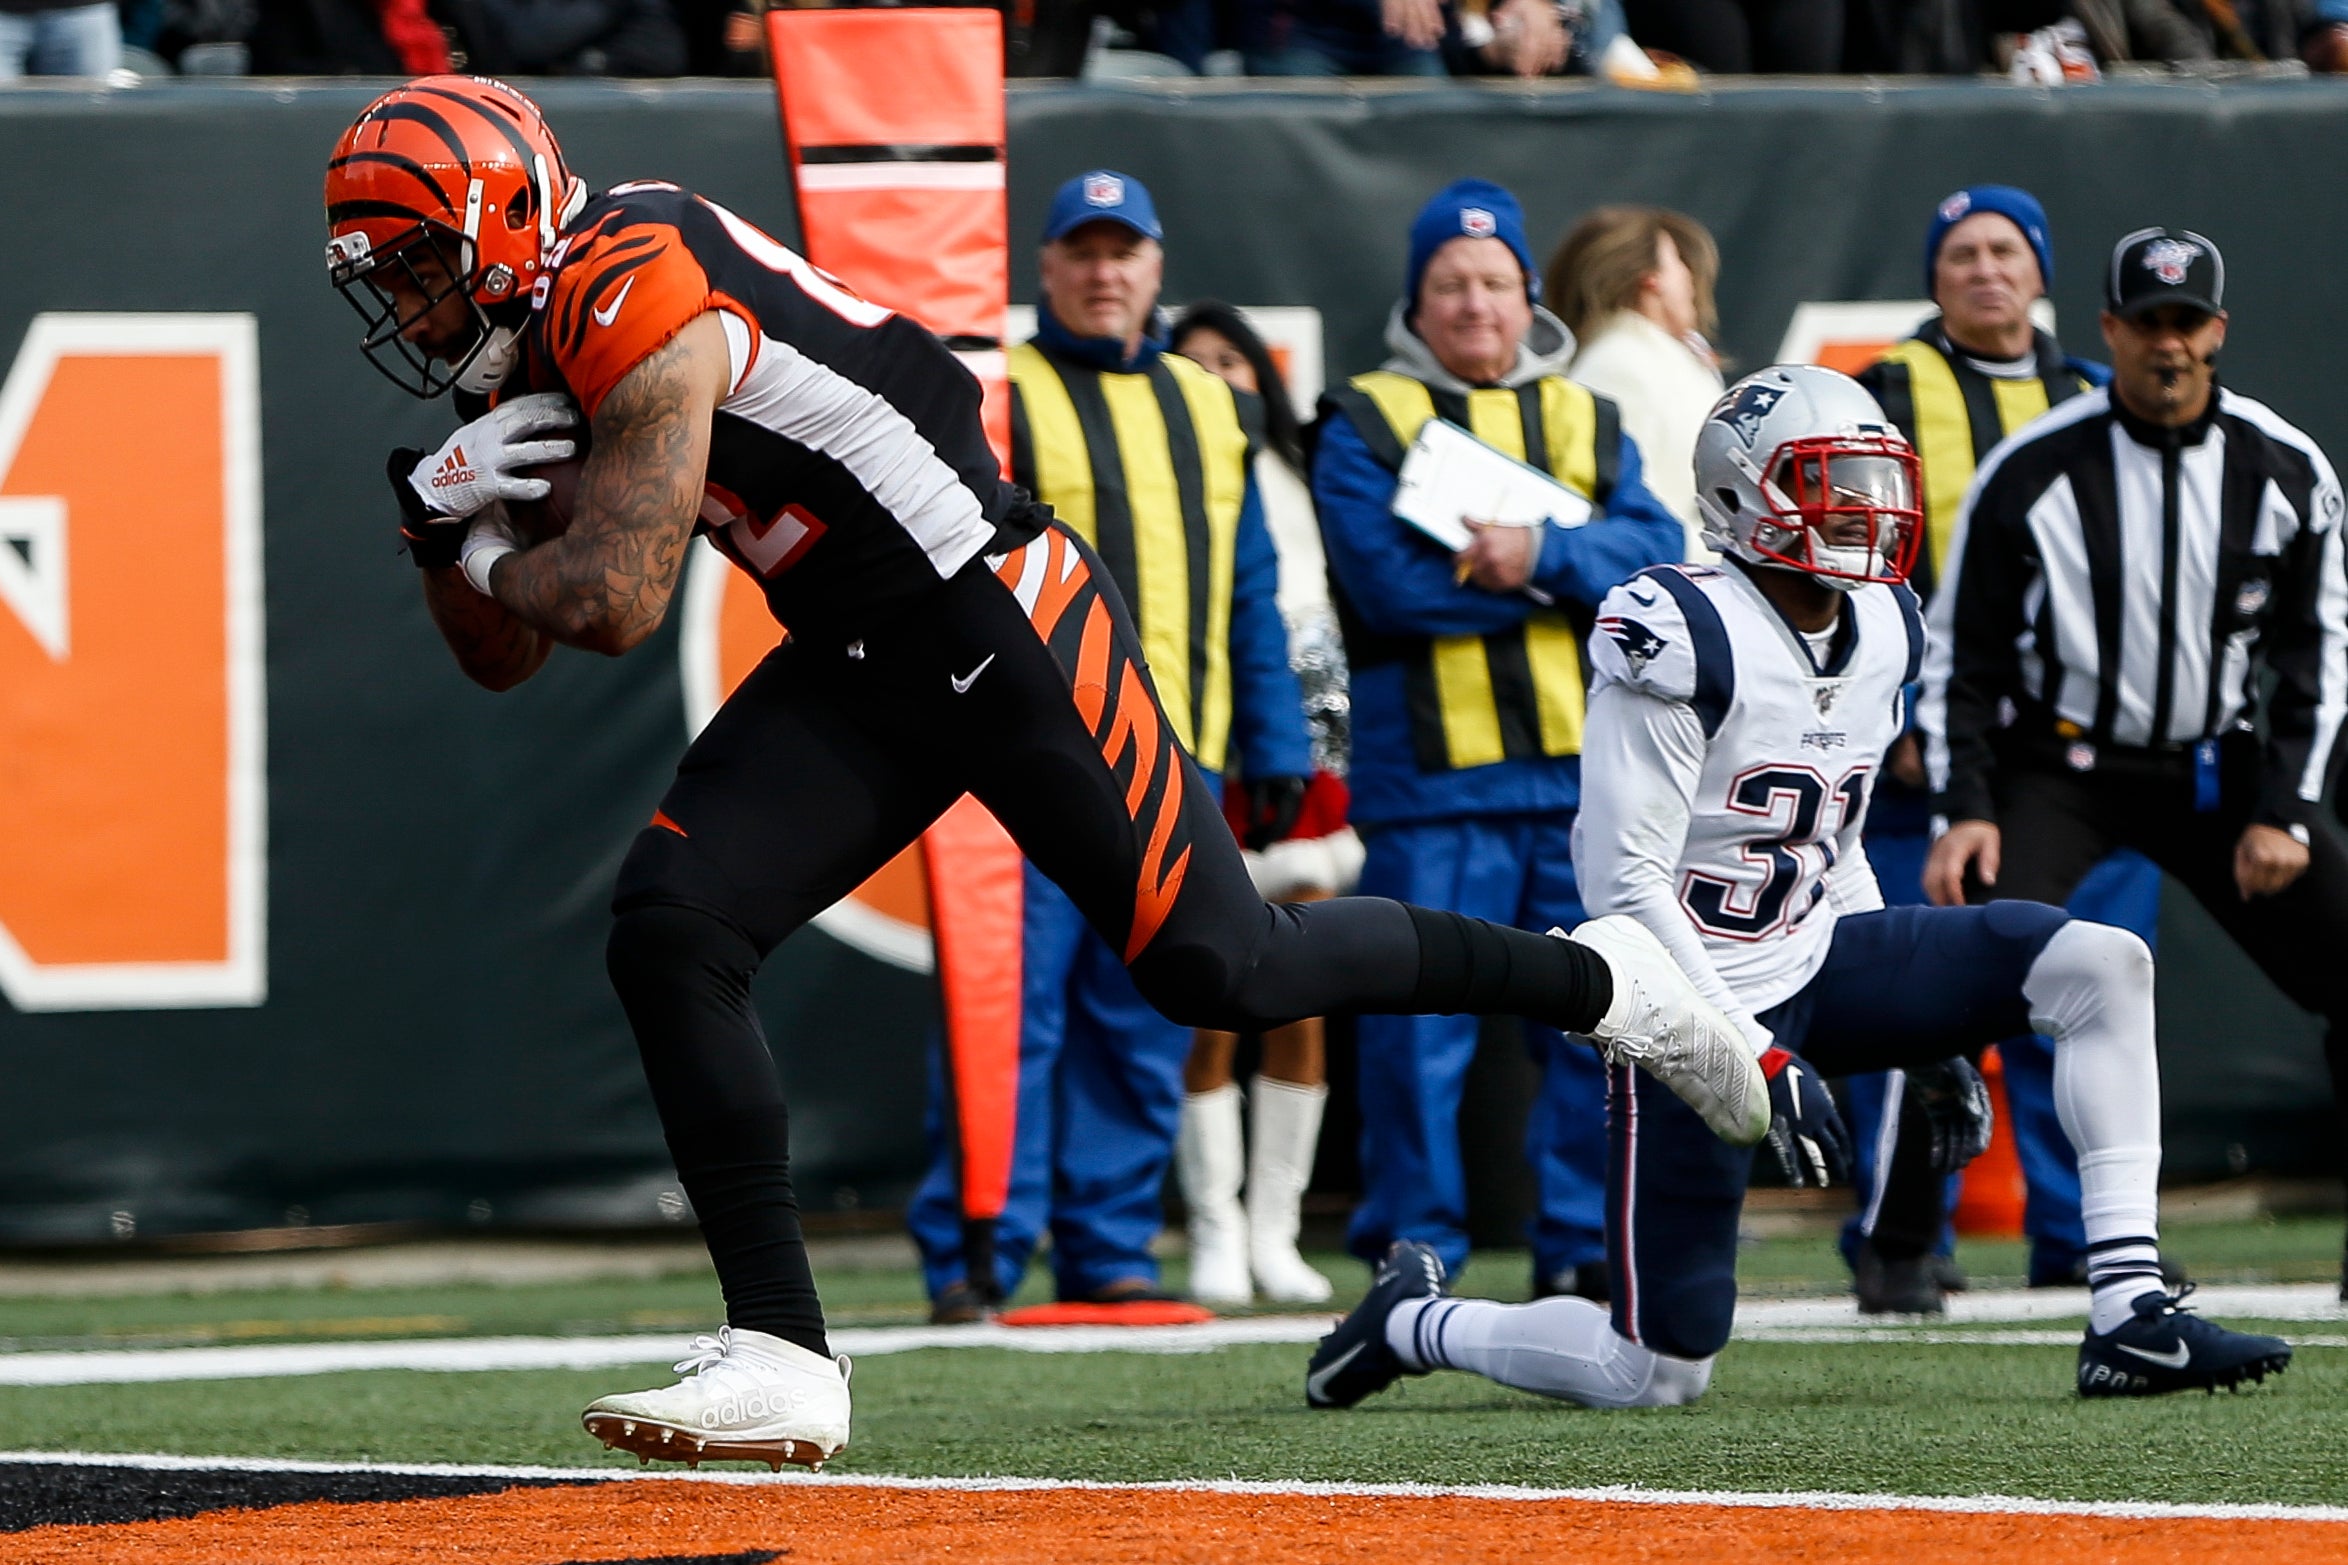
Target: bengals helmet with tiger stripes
456,182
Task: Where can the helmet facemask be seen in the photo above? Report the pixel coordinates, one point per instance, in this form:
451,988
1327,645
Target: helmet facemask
510,217
357,271
1843,509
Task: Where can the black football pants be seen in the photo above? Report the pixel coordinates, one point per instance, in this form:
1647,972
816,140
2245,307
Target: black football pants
1022,685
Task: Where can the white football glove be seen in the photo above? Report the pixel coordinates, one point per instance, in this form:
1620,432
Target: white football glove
481,462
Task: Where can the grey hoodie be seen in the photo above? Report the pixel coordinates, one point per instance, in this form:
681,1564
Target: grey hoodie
1547,349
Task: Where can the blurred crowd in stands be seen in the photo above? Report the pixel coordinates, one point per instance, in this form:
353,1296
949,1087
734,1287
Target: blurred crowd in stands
1640,43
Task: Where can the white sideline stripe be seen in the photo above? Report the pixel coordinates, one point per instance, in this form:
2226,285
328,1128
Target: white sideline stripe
2256,1301
2062,1337
1827,1500
1780,1320
468,1355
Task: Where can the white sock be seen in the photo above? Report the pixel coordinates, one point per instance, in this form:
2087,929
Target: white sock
1564,1347
2091,992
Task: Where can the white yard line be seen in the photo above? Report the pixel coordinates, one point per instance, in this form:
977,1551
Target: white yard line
1767,1320
1970,1505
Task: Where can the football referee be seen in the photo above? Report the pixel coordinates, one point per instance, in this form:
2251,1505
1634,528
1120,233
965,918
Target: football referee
2125,572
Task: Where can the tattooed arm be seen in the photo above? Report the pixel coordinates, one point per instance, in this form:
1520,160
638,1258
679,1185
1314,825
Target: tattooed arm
605,584
496,650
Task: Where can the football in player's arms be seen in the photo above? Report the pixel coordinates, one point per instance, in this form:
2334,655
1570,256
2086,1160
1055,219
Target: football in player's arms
1737,722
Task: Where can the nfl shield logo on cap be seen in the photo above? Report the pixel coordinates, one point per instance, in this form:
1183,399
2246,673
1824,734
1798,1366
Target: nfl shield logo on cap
2161,266
1477,223
1104,190
2168,259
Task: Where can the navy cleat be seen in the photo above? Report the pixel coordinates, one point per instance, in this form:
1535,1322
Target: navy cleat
2166,1347
1353,1361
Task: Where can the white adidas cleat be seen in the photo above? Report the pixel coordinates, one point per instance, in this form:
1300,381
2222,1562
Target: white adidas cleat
1659,1023
746,1397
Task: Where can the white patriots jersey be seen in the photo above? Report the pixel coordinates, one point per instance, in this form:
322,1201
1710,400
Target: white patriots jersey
1726,771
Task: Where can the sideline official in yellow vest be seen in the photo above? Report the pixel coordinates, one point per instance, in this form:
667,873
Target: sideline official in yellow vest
1467,704
1972,375
1146,455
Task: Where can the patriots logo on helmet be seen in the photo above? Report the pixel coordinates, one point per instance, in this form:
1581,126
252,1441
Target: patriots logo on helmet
1639,645
2168,259
1104,190
1477,223
1751,406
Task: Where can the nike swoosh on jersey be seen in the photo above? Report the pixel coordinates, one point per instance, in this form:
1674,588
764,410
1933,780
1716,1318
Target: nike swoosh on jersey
1645,600
2177,1358
611,311
1316,1384
963,682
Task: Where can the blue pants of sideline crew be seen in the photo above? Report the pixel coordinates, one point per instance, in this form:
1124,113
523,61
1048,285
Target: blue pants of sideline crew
2124,890
1511,869
1100,1099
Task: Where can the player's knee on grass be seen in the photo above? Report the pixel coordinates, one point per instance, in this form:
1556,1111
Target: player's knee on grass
1568,1349
1676,1382
1691,1321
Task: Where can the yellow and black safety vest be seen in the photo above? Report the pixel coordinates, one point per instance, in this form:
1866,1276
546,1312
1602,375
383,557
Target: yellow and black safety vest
1150,468
1953,414
1515,694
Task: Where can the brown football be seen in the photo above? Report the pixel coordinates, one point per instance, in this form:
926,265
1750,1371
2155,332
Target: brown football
539,520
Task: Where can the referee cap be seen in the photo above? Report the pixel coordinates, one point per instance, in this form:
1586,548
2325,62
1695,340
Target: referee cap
2157,266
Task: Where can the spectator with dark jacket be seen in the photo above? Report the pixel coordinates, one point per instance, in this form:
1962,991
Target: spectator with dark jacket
570,37
346,38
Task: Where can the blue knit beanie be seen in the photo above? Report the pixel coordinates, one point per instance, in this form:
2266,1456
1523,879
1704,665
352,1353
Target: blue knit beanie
1467,209
2017,206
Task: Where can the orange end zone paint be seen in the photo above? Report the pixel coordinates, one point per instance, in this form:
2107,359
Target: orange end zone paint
828,1524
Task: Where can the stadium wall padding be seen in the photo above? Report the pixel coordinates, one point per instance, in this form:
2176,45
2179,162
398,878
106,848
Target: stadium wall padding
438,1043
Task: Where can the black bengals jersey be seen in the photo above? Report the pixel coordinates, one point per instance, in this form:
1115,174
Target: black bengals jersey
848,467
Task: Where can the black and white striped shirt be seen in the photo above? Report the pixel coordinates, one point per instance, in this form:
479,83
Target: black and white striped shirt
2115,585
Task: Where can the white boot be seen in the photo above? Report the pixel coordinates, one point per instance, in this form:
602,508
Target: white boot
1286,1126
746,1397
1208,1161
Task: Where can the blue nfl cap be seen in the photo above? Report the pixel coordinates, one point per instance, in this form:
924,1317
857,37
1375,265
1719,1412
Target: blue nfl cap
2018,207
1102,196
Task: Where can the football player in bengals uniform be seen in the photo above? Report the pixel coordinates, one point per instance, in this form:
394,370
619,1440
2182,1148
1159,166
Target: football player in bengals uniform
946,636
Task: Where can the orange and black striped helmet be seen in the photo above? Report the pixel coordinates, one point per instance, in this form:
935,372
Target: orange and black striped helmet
449,184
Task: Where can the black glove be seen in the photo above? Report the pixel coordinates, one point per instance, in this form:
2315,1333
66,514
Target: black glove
432,540
1805,1129
1954,1101
1273,804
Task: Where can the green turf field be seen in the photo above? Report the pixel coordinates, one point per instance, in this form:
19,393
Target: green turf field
1899,1417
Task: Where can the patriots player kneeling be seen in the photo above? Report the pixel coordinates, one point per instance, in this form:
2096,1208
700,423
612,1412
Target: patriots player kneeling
1737,723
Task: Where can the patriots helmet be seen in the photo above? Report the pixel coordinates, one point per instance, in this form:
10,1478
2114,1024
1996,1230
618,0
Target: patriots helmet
1796,467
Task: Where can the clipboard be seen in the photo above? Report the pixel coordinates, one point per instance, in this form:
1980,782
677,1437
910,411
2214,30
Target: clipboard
1449,477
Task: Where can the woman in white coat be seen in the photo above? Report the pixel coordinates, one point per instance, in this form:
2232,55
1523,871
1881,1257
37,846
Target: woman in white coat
1634,283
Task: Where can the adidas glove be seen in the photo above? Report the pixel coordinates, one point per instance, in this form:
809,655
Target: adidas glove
483,460
1805,1129
1955,1103
432,540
